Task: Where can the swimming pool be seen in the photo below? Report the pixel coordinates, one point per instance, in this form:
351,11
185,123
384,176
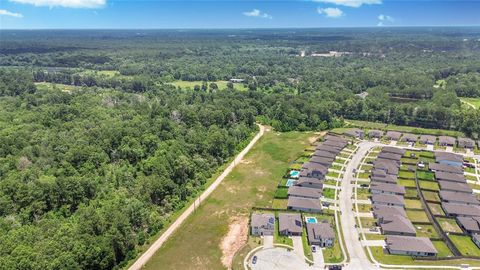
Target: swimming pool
311,219
294,174
290,182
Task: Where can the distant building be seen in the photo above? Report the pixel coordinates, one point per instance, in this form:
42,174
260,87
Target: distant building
320,234
446,141
397,225
458,197
304,192
262,224
387,199
466,143
393,135
389,166
393,150
408,137
460,210
309,182
327,162
328,148
470,225
355,133
437,167
449,159
384,188
390,156
453,177
455,186
427,139
305,205
375,134
289,224
236,80
325,154
382,211
409,245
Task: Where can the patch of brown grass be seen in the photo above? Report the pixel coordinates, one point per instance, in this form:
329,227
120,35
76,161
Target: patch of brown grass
236,237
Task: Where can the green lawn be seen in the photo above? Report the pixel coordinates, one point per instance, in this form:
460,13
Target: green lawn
364,175
413,204
279,203
251,183
465,245
364,207
417,216
329,193
431,196
429,185
222,85
436,209
367,222
333,174
406,183
425,231
449,225
473,101
406,175
280,239
281,193
442,249
411,192
363,193
425,175
307,251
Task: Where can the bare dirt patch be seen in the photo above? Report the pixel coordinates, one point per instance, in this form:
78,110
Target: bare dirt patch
236,237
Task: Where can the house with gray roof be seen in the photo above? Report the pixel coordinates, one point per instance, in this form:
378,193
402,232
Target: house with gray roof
389,166
289,224
476,239
384,188
382,211
304,192
452,177
327,148
455,186
469,224
355,133
444,168
446,141
390,179
334,138
312,173
394,150
409,245
387,199
460,210
375,134
393,135
466,143
262,224
390,156
325,154
449,159
427,139
309,182
320,234
397,225
335,144
304,204
327,162
458,197
408,137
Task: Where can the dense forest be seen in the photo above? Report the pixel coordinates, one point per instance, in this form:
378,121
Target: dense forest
99,144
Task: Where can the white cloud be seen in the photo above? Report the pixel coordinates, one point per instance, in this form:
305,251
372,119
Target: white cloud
382,19
257,13
331,12
350,3
4,12
64,3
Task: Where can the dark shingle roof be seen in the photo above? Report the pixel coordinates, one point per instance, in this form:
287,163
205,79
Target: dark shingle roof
457,209
455,186
299,191
394,150
427,139
297,202
388,198
453,196
397,224
448,156
393,135
319,230
410,243
453,177
446,140
381,211
394,188
445,168
290,222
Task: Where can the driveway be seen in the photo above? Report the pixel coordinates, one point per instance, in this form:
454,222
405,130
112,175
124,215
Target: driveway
279,259
268,241
298,246
318,259
374,243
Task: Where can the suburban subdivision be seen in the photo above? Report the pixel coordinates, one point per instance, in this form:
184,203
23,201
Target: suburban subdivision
364,198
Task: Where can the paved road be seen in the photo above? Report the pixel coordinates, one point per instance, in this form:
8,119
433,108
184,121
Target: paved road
358,258
279,259
163,238
298,246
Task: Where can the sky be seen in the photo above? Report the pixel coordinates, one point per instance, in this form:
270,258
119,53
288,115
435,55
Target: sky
161,14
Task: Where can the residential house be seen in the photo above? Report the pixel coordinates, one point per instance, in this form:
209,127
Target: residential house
324,154
387,199
394,150
460,210
304,204
446,141
408,137
427,139
315,168
469,224
382,211
384,188
375,134
355,133
289,224
389,166
304,192
327,162
449,159
309,182
409,245
393,135
452,177
327,148
320,234
458,197
445,168
390,156
334,138
262,224
335,144
455,186
397,225
391,179
476,239
466,143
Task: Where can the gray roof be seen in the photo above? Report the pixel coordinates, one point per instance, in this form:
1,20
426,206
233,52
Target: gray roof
453,177
297,202
395,150
308,173
391,156
408,137
410,243
355,132
381,211
469,223
384,179
335,138
388,198
457,209
453,196
290,222
385,187
336,144
394,135
319,230
324,154
305,180
262,219
455,186
379,173
427,139
298,191
315,167
375,133
397,224
322,160
466,142
445,168
446,140
448,156
385,164
327,148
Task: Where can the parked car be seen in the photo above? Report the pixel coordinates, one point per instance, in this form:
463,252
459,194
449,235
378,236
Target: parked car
314,249
335,267
363,185
254,260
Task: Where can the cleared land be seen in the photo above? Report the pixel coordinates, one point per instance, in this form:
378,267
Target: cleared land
475,102
221,85
198,242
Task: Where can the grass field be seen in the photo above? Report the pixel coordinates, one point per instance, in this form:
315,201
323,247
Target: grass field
449,225
442,249
473,101
406,183
436,209
431,196
61,87
415,130
426,231
413,204
253,183
411,192
465,245
417,216
222,85
429,185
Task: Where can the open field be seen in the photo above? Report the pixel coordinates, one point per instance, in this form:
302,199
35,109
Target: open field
436,209
465,245
449,225
221,85
417,216
200,239
475,102
426,231
61,87
415,130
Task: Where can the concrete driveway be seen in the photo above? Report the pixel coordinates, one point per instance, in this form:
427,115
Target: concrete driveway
268,241
318,259
298,246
